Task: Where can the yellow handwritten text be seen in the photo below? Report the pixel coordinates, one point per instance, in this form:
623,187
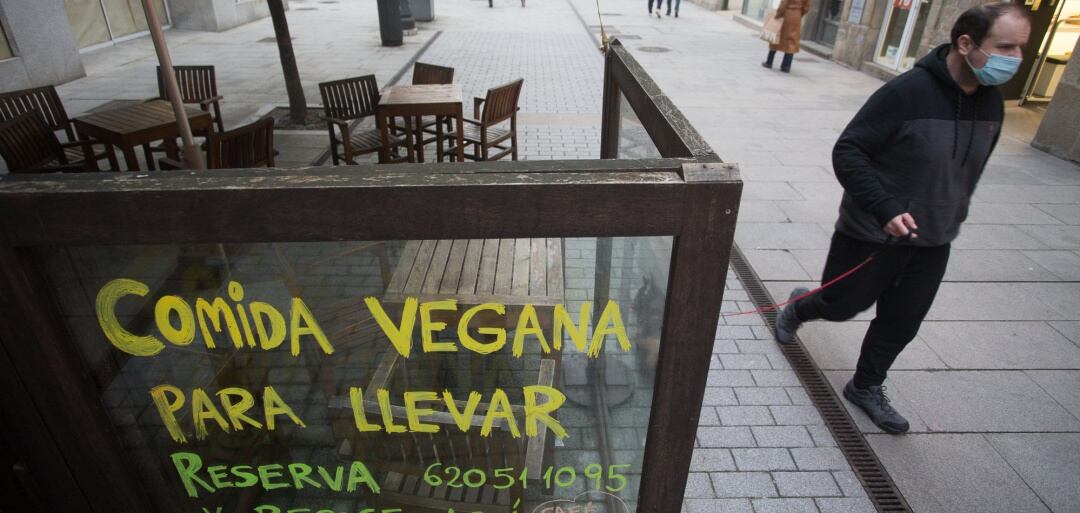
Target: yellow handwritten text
235,402
540,403
264,327
400,333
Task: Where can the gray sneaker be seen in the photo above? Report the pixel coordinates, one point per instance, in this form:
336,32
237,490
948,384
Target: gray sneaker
875,403
787,323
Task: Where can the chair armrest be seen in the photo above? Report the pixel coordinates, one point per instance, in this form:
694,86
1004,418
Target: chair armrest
534,452
476,106
88,152
167,164
206,102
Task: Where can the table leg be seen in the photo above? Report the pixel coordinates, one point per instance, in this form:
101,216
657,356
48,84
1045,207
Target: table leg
460,135
419,131
384,152
130,158
410,141
439,139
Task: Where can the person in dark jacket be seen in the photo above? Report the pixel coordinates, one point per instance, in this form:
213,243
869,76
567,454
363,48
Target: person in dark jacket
909,162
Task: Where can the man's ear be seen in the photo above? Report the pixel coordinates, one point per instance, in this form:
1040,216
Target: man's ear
965,45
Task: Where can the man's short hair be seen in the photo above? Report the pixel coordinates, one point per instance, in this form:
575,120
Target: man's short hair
976,22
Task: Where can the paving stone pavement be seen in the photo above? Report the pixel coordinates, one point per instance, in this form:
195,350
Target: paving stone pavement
990,384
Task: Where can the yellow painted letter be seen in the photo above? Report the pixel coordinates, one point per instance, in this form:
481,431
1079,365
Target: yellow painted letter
124,340
400,337
611,316
428,328
475,345
542,412
167,409
300,311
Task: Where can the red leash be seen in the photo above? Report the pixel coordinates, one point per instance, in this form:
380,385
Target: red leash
849,272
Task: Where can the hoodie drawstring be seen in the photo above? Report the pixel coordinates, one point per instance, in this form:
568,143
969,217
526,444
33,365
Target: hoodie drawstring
971,136
956,127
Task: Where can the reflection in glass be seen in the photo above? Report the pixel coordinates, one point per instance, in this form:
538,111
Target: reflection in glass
634,140
375,400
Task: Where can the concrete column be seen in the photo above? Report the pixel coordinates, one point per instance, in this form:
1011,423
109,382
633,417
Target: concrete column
216,15
1059,133
44,46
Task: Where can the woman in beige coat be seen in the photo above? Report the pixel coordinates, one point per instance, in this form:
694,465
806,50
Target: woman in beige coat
791,11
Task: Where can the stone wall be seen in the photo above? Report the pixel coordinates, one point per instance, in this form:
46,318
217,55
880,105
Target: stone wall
1058,134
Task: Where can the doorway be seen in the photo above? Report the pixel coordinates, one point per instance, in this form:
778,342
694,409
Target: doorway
1058,39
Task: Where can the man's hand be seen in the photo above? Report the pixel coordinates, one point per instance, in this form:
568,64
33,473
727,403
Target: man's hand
901,226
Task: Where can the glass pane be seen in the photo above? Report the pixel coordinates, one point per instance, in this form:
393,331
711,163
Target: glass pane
87,22
755,8
125,17
830,22
634,141
889,50
5,48
264,377
911,55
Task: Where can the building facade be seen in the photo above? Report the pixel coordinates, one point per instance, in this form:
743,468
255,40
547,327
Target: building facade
886,37
41,40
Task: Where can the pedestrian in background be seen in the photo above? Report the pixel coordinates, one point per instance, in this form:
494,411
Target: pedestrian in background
792,12
660,3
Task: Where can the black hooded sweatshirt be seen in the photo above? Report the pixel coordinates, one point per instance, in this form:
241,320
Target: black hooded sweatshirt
918,145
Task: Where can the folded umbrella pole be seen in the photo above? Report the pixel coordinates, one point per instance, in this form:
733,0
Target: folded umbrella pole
191,153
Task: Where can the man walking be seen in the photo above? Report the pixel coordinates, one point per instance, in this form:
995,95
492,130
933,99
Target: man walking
909,162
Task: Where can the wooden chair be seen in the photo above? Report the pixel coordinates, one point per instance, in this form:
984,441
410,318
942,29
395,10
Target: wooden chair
348,99
250,145
29,145
198,85
45,101
500,105
425,74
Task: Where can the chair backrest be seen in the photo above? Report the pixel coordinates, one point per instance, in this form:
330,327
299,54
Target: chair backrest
196,83
501,102
42,99
350,98
27,142
431,74
246,146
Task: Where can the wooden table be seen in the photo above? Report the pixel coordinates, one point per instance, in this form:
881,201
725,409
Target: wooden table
413,102
132,126
513,272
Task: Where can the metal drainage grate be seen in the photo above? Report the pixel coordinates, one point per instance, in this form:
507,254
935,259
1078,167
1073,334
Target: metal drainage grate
270,40
879,486
610,29
610,14
307,8
627,37
653,49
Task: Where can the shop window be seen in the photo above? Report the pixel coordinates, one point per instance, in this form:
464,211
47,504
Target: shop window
905,22
99,21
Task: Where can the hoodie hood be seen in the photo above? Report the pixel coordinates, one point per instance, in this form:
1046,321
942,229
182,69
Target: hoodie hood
936,64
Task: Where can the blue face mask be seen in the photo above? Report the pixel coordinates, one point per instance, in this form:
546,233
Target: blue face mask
997,70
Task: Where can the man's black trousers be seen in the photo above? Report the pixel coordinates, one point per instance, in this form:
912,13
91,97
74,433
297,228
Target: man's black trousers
902,279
